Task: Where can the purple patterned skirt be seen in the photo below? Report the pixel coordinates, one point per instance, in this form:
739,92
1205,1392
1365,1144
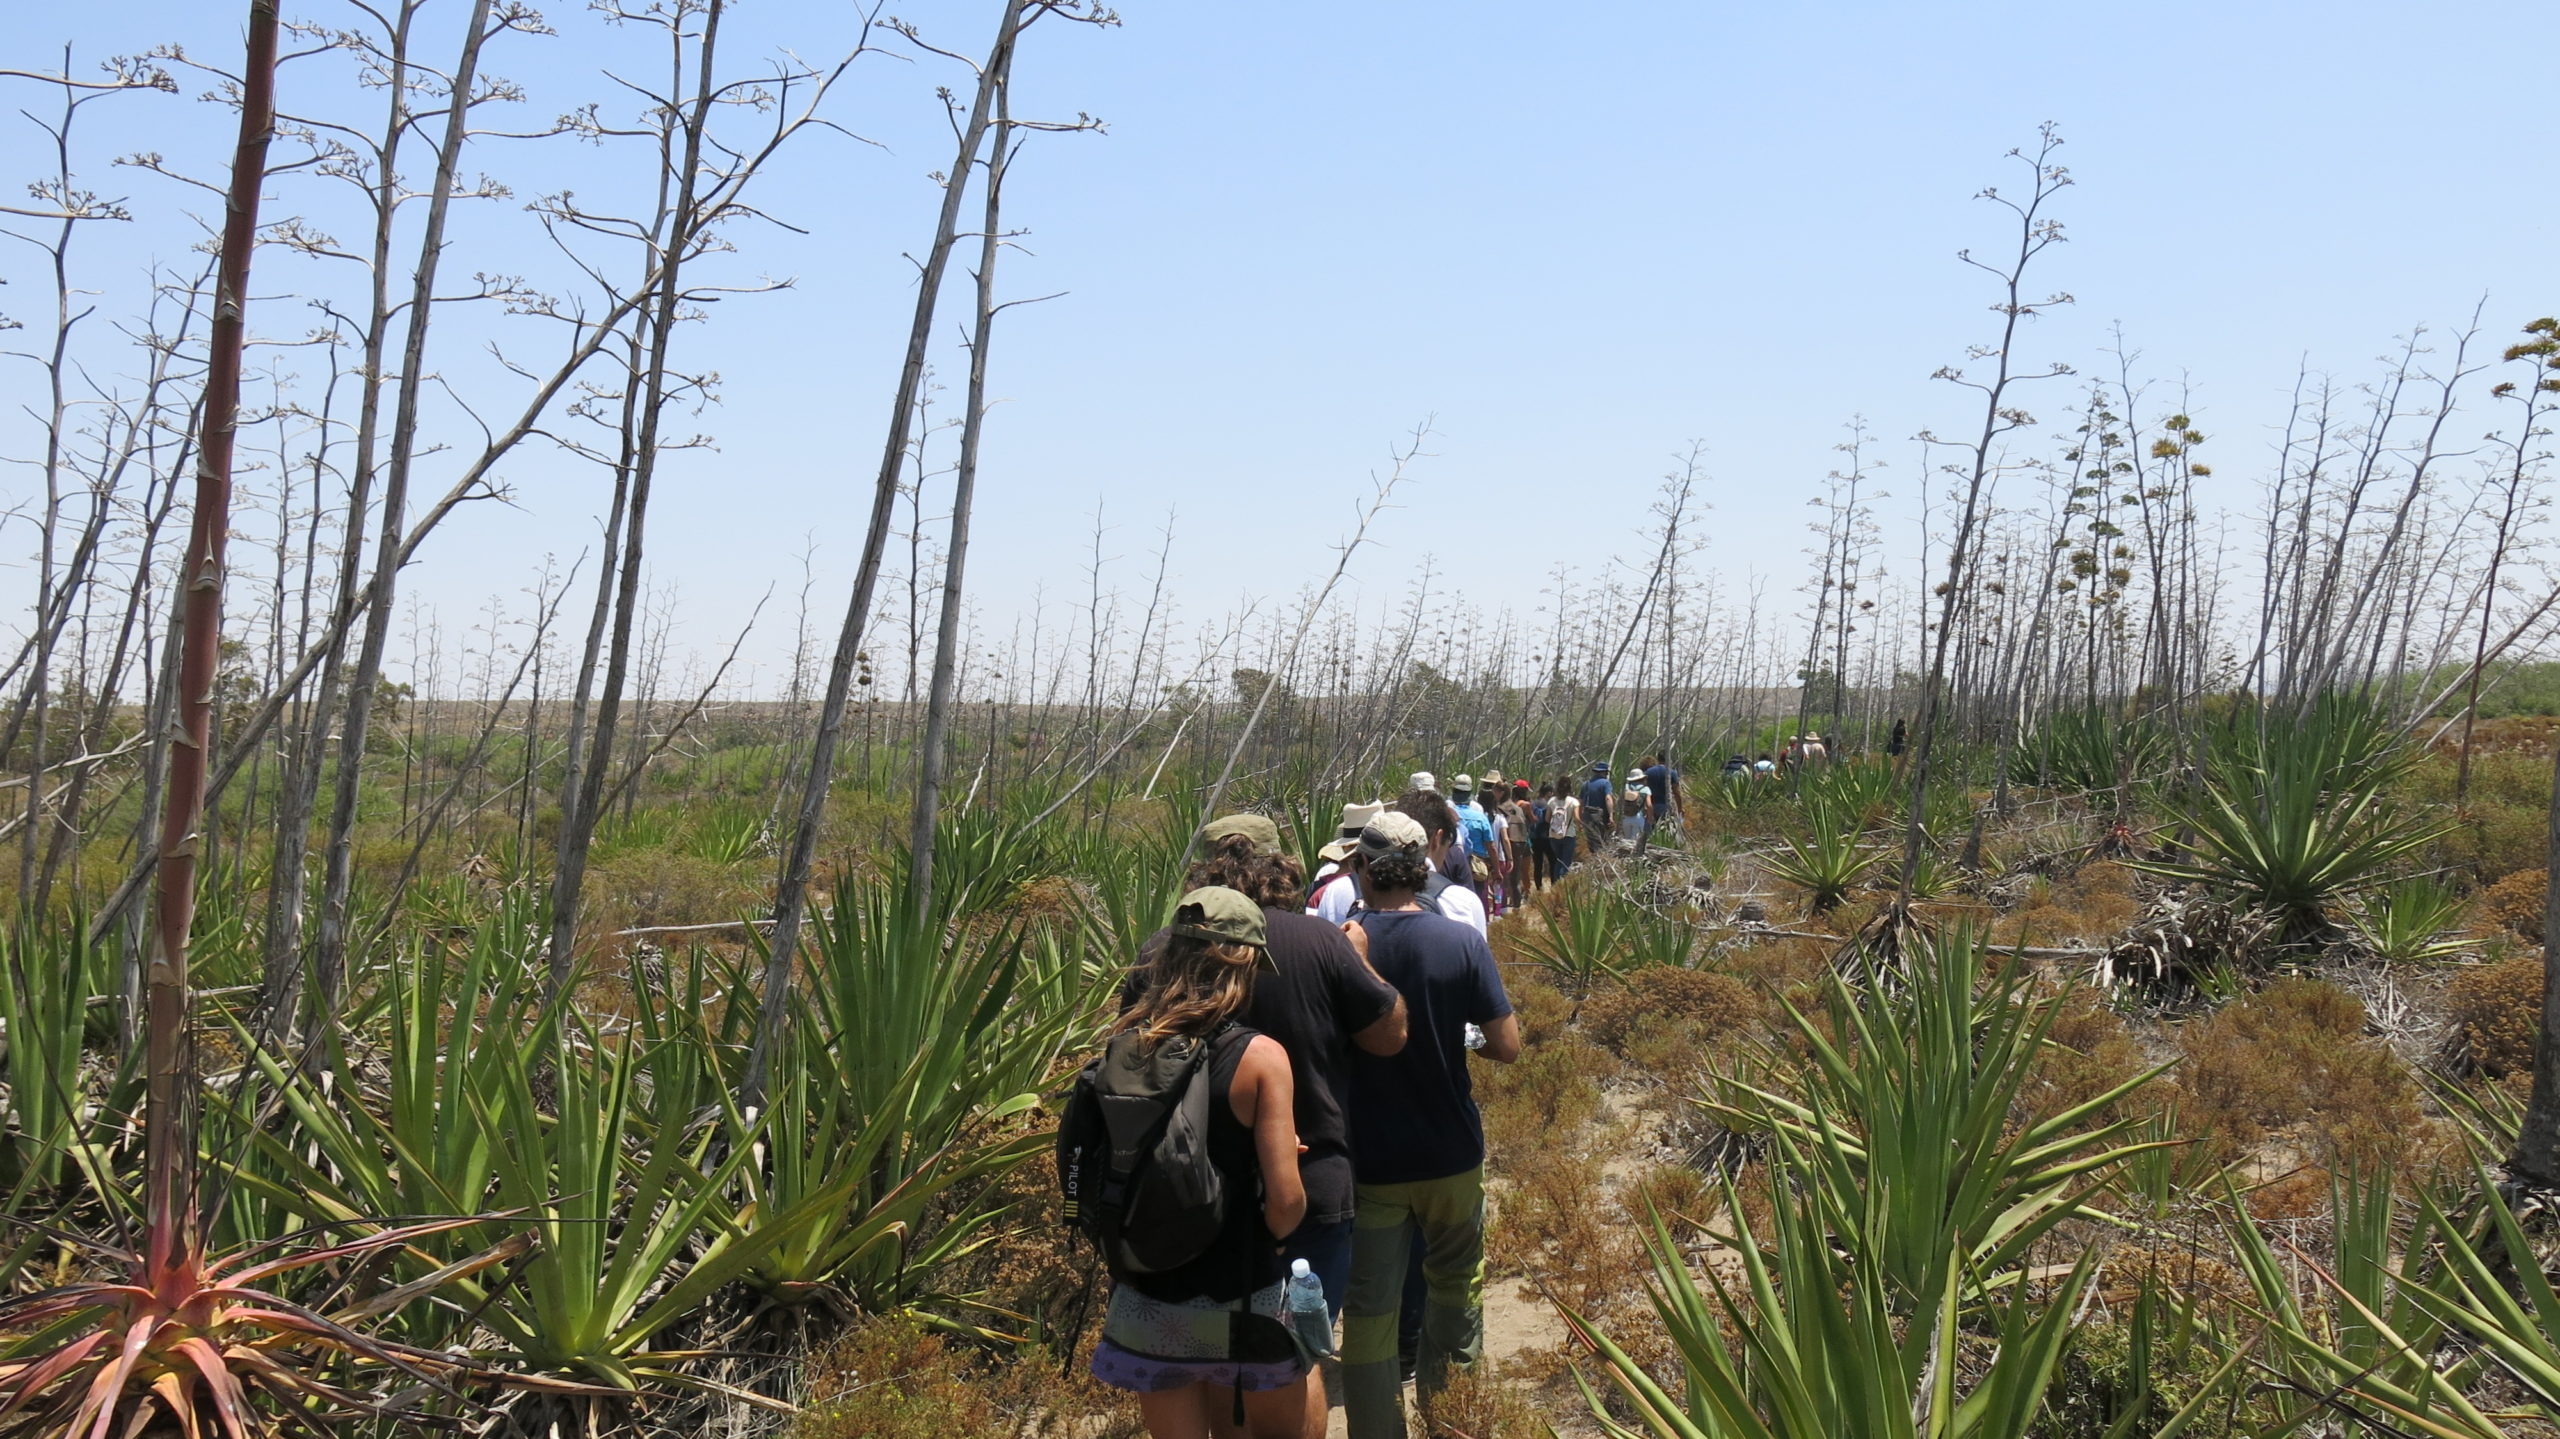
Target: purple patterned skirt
1149,1345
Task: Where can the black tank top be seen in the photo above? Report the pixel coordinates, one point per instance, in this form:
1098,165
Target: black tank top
1244,1257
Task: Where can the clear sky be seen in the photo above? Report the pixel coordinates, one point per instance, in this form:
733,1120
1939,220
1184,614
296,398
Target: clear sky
1572,237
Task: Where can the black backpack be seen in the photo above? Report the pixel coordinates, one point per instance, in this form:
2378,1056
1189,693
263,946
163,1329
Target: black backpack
1134,1168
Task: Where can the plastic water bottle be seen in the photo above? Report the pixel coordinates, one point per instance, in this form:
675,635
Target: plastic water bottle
1474,1035
1306,1309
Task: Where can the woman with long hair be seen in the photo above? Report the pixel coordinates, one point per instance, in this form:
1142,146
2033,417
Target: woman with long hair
1209,1339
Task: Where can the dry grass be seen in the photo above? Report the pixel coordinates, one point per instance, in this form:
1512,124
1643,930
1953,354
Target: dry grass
894,1379
646,887
1484,1403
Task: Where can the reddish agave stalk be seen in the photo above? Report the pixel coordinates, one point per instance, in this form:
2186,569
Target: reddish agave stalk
170,1238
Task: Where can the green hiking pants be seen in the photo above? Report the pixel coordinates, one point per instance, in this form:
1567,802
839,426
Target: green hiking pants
1450,1214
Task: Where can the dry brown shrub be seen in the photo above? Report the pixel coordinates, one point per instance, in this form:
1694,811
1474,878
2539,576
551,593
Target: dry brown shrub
1686,1200
2293,1054
1701,1002
2086,907
2087,1052
2300,1193
894,1379
1541,1102
1049,899
2497,1011
2515,904
1558,1225
1792,969
1484,1403
1543,1009
2189,1270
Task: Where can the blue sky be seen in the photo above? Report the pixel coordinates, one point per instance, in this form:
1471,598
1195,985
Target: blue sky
1572,238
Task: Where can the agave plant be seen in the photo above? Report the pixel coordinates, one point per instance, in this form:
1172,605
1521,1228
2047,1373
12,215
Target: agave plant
2291,835
193,1343
2408,1326
1584,940
933,1035
2092,752
47,979
1850,794
2411,922
1904,1206
1829,864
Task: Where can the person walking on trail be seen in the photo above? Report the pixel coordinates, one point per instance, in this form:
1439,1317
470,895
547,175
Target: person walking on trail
1330,871
1417,1140
1440,894
1533,810
1599,807
1662,783
1814,751
1320,1000
1507,838
1635,813
1208,1338
1564,825
1764,766
1475,827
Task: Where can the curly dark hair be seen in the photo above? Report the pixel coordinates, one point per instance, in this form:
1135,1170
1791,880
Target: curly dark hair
1273,881
1436,815
1398,872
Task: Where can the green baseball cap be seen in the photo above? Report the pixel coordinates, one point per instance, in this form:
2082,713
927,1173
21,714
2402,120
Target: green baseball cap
1257,828
1221,916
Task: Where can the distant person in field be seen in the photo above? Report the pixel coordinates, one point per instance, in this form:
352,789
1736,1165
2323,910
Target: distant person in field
1736,767
1498,858
1662,782
1417,1138
1635,812
1529,856
1475,829
1185,1340
1764,766
1564,825
1319,1000
1899,740
1817,752
1599,805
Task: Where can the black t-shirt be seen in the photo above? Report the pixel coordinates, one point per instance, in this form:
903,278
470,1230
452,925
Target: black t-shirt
1413,1113
1315,996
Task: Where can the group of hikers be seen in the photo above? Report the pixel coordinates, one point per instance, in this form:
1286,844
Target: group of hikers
1281,1133
1510,837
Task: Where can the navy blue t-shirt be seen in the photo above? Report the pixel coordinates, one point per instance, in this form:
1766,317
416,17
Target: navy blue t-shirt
1413,1113
1657,782
1595,795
